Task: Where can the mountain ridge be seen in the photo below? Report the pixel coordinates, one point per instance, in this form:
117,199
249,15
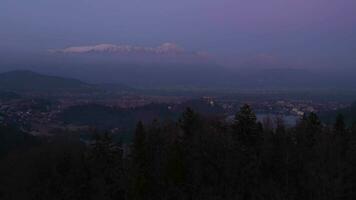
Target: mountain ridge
26,80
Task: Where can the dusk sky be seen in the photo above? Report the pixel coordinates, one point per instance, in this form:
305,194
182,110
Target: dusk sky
304,33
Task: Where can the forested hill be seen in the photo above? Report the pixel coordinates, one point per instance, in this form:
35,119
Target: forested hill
349,115
28,81
193,158
11,138
105,117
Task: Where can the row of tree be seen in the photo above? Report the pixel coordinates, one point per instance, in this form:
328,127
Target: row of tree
194,158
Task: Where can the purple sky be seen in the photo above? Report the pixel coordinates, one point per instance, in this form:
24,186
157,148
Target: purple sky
294,33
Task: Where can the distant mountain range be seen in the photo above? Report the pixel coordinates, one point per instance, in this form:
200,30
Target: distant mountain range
203,75
29,81
168,67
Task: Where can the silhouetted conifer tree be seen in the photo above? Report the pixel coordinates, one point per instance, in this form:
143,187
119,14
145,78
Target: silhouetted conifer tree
140,168
246,127
189,123
339,125
308,129
107,167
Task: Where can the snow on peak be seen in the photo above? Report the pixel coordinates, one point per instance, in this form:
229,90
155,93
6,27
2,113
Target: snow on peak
166,48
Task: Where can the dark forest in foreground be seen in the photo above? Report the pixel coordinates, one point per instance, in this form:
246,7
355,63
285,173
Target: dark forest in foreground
193,158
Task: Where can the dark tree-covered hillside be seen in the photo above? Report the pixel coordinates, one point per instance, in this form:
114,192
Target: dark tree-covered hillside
194,157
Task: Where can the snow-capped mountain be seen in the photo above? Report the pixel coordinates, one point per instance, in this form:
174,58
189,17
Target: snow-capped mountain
164,49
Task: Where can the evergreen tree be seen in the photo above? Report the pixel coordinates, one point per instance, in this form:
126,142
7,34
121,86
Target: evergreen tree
353,128
246,127
140,168
313,122
189,122
308,130
107,167
280,126
175,167
139,144
339,125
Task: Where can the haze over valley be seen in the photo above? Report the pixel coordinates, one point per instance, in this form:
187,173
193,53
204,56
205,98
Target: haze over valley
177,99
